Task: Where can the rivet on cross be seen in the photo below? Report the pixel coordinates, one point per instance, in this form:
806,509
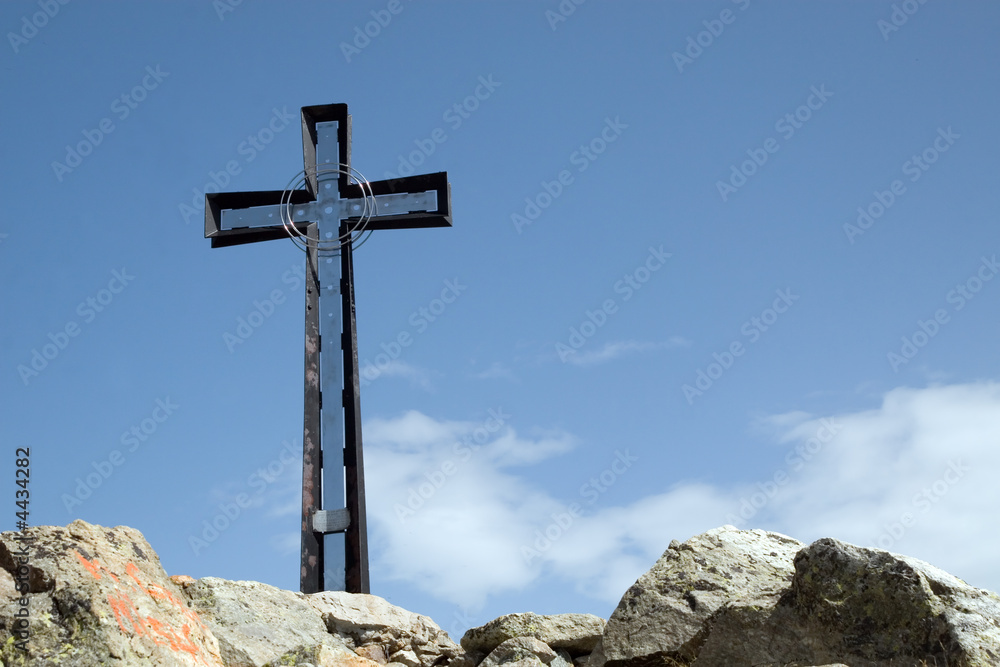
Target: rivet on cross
328,217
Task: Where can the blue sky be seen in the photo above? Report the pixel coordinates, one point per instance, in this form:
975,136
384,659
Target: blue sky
714,262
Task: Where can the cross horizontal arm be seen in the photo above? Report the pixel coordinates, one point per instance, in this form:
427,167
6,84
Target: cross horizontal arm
344,209
440,217
412,202
217,202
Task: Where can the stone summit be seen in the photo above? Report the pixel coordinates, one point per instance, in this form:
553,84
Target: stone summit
725,598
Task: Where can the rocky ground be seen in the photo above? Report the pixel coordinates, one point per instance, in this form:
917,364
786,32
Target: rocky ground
726,598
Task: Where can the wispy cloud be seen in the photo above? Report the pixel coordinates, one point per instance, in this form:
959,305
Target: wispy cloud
616,349
418,377
496,371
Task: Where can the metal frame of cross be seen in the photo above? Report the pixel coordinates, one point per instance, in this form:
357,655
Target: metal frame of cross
330,208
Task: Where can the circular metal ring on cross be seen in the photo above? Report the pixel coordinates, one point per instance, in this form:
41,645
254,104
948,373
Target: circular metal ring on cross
353,234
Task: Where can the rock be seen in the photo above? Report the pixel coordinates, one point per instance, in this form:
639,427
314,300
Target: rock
576,633
406,638
520,650
662,614
97,596
324,656
374,652
257,624
869,604
562,659
596,657
830,603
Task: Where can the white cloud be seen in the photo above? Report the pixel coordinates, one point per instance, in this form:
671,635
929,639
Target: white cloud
496,371
931,454
412,431
615,349
449,517
478,526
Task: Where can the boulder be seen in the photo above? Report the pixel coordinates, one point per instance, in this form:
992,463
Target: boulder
257,624
521,651
577,634
830,603
662,614
96,596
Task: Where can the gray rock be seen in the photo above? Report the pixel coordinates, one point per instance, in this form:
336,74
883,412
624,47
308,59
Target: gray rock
596,657
525,662
832,603
576,633
257,624
662,614
562,659
98,596
409,639
519,650
865,607
322,656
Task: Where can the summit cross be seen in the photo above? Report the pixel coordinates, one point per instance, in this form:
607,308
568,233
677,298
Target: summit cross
327,210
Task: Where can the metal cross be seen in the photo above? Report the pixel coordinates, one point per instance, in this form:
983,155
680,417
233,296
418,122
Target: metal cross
330,208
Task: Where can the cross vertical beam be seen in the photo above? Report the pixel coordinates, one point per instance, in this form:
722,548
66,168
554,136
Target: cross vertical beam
356,546
311,574
327,215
